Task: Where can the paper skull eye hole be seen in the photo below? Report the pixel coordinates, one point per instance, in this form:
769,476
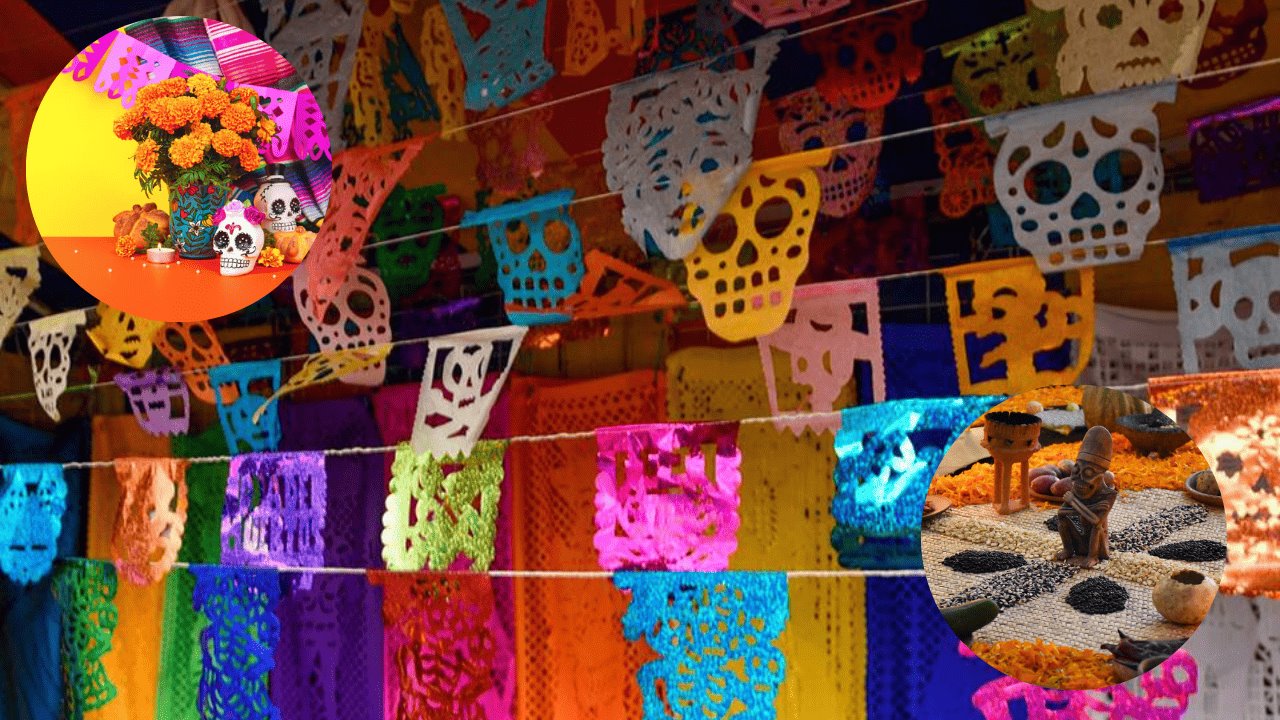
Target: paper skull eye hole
1110,16
557,236
1244,308
1118,171
295,207
886,44
1048,183
1171,11
773,217
221,241
361,305
722,234
517,236
856,132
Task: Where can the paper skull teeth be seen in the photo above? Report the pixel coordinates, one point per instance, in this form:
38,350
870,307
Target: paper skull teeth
238,238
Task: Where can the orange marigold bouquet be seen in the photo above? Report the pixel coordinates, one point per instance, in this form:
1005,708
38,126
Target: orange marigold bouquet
194,131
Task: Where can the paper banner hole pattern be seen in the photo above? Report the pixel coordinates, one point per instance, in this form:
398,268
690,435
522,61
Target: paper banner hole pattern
1236,35
442,64
238,644
251,383
151,518
19,277
589,41
192,348
129,65
1007,66
123,338
85,591
1229,150
612,287
463,377
50,346
688,35
865,63
32,501
501,44
274,514
965,156
358,317
807,121
160,400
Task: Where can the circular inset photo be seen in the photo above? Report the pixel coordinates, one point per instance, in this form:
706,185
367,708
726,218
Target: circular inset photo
1078,538
178,169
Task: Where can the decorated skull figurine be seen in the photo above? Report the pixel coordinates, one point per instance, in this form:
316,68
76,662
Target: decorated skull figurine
238,238
807,122
277,200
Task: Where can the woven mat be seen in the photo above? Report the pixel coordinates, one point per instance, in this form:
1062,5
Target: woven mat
1033,597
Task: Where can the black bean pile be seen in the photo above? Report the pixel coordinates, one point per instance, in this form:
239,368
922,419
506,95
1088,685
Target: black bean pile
1097,596
984,561
1192,551
1014,587
1154,528
1052,523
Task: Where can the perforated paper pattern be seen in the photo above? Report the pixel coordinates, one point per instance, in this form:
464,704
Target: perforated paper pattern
511,152
251,383
460,384
19,277
358,317
772,13
85,591
50,347
1236,36
965,156
703,32
274,515
502,52
123,338
589,42
612,287
865,63
159,399
1229,150
808,122
192,348
239,641
1008,66
33,499
129,65
442,65
327,367
151,518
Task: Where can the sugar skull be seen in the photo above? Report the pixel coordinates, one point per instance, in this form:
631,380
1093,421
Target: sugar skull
807,122
1006,67
865,62
964,156
278,202
1236,36
238,237
359,316
744,271
1117,44
1091,219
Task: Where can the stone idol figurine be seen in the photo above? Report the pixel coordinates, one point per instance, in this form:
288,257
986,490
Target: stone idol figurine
1082,519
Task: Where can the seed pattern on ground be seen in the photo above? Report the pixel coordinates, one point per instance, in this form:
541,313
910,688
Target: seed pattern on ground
1192,551
1152,529
984,561
1097,596
1014,587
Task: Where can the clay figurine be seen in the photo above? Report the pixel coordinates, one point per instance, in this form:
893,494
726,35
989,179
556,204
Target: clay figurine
1011,438
1082,519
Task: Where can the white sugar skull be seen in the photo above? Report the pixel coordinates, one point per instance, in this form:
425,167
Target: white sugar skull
238,238
277,200
807,122
1052,177
1117,44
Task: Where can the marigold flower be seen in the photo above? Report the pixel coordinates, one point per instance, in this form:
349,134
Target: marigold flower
186,151
238,118
249,157
213,103
173,87
125,246
146,156
244,94
227,143
271,257
169,114
200,84
202,129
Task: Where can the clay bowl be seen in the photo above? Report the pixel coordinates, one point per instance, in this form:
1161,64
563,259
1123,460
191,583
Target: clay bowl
1204,497
1152,433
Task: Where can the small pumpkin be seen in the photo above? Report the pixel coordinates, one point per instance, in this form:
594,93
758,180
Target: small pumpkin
1104,406
295,244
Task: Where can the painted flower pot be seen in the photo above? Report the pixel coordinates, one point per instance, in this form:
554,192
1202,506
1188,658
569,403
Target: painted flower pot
191,209
161,255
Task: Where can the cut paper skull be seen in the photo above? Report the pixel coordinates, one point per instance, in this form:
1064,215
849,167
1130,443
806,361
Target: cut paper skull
123,338
744,271
239,390
1013,329
238,238
191,347
460,383
1006,67
1236,36
538,249
1229,282
589,42
33,499
19,277
964,154
160,400
442,65
677,145
1116,45
667,496
688,36
50,347
151,518
277,200
832,327
864,63
807,122
501,44
1233,152
1094,220
772,13
274,514
359,316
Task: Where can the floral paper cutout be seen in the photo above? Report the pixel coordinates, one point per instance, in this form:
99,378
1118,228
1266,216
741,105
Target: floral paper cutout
192,348
588,42
151,519
772,13
32,501
501,47
387,88
1229,282
85,590
1006,67
612,287
439,509
715,635
688,36
123,338
1231,151
19,277
667,496
238,645
238,393
274,514
359,317
1008,321
327,367
964,154
864,63
130,65
50,347
86,62
159,399
1231,39
808,122
442,65
677,145
831,328
744,281
1095,222
454,409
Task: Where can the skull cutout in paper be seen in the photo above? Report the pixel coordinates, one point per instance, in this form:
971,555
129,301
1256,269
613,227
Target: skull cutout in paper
964,156
359,316
1096,220
50,347
250,383
160,400
277,200
122,337
151,519
1120,44
501,44
190,347
746,268
865,62
238,237
807,122
772,13
1006,67
33,499
1236,36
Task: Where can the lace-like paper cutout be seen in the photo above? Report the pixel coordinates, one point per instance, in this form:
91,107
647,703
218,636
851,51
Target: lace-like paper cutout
965,156
1116,46
442,65
704,32
19,277
888,453
807,122
275,511
160,400
501,47
460,384
677,145
830,329
365,176
85,591
320,40
441,656
438,509
1008,321
588,42
1231,150
864,63
745,274
667,496
405,266
1007,66
50,346
1232,39
327,367
512,151
239,390
1131,345
239,642
612,287
388,89
129,65
86,62
359,317
192,348
151,518
772,13
1094,222
32,501
715,634
1229,282
123,338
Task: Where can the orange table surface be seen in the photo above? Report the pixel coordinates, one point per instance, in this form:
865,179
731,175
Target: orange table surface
185,290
